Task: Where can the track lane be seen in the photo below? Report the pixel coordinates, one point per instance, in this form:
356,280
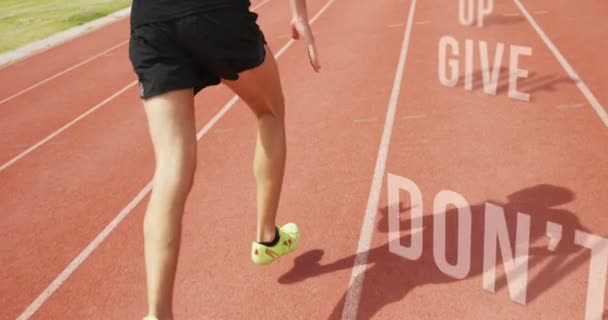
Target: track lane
584,48
30,118
452,142
532,157
65,57
31,70
67,179
222,205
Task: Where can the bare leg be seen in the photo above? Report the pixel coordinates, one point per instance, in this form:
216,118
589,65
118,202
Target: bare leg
172,129
261,89
173,133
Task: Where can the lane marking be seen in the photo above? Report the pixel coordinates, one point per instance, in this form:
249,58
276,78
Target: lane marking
511,14
424,22
599,109
353,295
259,5
32,308
65,127
36,85
102,54
414,116
540,12
67,272
365,120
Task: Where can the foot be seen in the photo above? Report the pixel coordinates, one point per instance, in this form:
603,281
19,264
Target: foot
289,236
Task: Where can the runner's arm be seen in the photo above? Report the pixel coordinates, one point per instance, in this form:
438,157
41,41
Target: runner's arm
299,10
301,28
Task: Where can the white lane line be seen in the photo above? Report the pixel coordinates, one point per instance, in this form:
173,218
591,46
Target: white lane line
71,123
32,308
367,229
571,106
83,115
539,12
601,112
259,5
364,120
36,85
67,272
414,116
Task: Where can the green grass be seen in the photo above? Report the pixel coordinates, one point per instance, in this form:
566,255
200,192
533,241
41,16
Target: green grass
24,21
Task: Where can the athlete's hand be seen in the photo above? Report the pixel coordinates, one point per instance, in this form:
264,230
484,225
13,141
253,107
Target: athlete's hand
300,28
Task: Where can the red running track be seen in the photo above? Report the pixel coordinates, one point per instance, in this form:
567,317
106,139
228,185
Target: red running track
73,170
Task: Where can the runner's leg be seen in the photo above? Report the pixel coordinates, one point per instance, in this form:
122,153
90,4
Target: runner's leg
173,133
260,88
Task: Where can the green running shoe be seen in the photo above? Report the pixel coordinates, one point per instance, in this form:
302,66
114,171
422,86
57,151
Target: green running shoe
289,236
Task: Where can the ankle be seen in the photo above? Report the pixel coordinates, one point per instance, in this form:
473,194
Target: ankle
159,314
269,237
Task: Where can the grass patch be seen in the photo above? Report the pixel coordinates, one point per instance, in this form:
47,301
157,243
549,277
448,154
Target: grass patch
24,21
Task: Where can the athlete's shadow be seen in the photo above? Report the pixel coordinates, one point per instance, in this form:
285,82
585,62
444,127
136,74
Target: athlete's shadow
531,84
389,277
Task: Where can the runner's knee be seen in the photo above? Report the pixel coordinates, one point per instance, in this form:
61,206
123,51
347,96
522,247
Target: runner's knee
176,167
274,107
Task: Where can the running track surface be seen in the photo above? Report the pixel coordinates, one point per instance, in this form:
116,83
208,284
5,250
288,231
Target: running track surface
77,161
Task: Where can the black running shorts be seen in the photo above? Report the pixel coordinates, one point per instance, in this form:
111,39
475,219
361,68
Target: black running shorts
195,51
